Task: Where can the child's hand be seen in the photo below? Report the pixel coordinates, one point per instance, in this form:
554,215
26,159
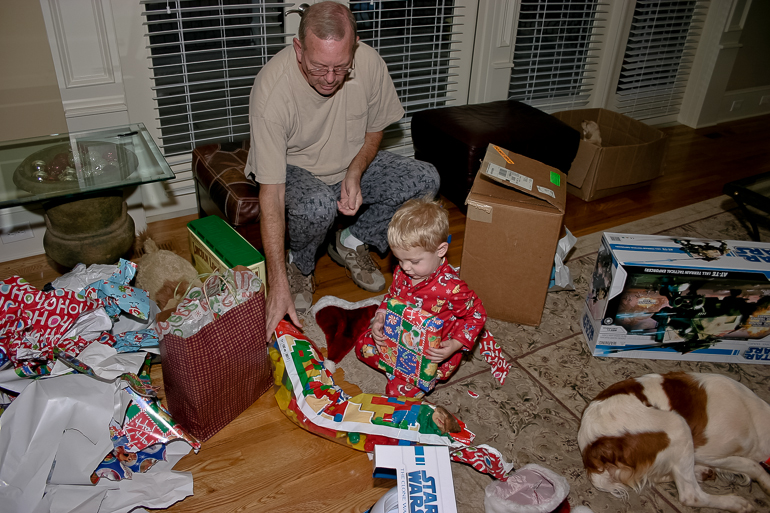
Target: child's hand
444,350
378,325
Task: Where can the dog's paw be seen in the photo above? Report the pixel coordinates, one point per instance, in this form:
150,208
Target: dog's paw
703,473
741,505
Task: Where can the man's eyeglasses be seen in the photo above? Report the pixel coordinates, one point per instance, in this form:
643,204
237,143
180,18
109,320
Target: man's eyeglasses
322,72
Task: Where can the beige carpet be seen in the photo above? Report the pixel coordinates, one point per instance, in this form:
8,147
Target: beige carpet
535,416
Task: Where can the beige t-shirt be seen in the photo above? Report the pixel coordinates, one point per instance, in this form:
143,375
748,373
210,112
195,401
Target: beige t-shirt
292,124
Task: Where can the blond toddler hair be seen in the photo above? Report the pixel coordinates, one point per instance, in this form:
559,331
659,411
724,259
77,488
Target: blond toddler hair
419,223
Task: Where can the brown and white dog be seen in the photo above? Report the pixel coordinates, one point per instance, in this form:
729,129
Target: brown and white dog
677,426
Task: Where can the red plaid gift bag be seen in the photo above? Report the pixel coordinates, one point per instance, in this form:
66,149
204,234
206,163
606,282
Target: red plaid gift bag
214,375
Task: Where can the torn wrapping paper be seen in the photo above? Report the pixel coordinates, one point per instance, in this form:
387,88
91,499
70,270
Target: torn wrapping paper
59,427
306,393
136,340
123,462
81,276
105,361
118,295
561,279
34,322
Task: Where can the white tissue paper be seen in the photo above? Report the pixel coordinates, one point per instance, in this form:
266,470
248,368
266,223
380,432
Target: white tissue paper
54,435
561,279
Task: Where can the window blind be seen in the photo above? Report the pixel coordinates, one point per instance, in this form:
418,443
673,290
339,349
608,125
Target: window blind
555,56
415,39
659,53
204,56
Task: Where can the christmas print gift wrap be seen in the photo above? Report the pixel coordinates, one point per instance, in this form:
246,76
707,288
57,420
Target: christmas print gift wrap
33,322
409,331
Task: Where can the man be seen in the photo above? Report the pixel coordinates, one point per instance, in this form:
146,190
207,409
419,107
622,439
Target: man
317,112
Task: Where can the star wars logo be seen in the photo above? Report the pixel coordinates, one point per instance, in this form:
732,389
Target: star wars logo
422,493
757,353
753,254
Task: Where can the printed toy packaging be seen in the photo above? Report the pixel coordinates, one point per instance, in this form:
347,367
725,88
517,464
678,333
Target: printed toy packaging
423,474
679,298
409,331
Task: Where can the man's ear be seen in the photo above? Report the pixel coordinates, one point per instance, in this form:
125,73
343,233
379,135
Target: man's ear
442,249
297,49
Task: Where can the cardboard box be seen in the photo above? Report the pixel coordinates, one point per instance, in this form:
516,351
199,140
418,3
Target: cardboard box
660,297
514,220
214,244
423,474
409,331
631,154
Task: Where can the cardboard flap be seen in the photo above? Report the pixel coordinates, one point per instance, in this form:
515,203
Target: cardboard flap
584,161
525,175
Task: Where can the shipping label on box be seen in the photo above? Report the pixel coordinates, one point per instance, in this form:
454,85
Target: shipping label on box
423,474
514,222
679,298
409,331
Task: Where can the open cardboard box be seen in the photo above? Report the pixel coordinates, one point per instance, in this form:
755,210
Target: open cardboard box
631,154
514,221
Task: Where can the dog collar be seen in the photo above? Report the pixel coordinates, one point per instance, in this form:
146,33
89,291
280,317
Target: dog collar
766,465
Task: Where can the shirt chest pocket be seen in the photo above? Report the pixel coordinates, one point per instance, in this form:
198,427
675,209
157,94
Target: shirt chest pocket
356,127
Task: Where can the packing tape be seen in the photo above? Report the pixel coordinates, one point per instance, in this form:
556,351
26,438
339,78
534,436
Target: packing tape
478,211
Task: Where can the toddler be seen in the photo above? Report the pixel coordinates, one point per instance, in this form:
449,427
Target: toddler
417,236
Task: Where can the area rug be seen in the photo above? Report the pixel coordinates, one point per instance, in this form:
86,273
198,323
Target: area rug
534,417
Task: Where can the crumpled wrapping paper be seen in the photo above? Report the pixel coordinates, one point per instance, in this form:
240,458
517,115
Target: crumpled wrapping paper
60,427
561,279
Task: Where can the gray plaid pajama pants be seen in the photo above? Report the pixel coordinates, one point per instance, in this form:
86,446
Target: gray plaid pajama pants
311,205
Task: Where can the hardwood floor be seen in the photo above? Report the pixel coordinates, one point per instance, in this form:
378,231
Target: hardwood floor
263,462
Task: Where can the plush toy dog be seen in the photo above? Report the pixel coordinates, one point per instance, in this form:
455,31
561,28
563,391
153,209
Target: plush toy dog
678,426
164,274
591,132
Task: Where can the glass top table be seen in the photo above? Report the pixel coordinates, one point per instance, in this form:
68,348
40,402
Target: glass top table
79,178
67,165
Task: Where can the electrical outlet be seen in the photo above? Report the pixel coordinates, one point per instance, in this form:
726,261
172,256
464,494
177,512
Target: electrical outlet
16,233
737,104
764,100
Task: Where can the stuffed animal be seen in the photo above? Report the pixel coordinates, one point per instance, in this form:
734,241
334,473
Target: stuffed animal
164,274
591,132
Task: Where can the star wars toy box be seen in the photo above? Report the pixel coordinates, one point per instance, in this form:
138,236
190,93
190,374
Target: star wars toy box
679,298
409,331
423,475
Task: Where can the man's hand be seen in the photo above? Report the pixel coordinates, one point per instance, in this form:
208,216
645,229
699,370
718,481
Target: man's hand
279,303
350,194
444,350
378,325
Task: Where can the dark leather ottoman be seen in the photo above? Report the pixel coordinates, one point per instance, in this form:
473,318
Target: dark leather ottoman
455,139
223,190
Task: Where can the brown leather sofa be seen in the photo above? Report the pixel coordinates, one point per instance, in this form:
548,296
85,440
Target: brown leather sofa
223,190
455,139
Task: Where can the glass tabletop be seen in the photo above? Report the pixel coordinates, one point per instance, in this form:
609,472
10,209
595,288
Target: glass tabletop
61,165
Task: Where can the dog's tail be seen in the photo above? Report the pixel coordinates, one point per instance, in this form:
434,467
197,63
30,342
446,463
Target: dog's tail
144,244
615,464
